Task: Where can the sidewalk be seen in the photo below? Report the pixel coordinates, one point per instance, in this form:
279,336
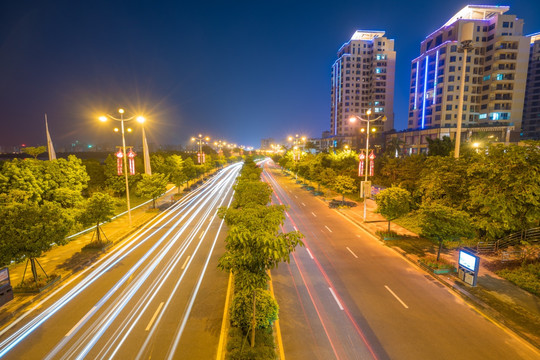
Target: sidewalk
493,295
68,259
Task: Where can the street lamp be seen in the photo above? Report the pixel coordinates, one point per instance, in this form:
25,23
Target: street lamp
199,140
353,119
104,118
296,140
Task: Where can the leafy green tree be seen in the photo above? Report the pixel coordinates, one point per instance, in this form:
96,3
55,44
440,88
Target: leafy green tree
394,147
176,170
152,186
35,151
29,229
96,173
158,163
343,185
440,147
505,188
98,208
116,183
189,169
439,223
393,203
445,180
266,310
24,176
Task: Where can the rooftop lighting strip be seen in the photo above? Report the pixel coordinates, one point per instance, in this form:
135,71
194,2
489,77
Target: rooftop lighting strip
416,85
424,98
435,79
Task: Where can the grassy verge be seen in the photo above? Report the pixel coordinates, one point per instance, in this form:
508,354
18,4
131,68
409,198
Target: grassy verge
526,277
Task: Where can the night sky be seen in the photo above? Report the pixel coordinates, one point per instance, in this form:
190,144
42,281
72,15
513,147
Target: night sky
233,70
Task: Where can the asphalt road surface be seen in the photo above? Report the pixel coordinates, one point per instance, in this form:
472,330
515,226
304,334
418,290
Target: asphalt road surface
157,294
346,296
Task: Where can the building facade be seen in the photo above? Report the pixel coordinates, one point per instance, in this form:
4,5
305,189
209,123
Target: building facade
531,111
496,72
363,78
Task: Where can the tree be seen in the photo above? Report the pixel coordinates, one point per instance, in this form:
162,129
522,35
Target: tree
152,186
176,170
189,169
35,151
96,172
504,188
99,208
393,203
29,229
344,185
394,147
440,147
439,223
445,180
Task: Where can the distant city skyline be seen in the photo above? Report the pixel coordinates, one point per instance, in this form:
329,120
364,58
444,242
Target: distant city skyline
238,71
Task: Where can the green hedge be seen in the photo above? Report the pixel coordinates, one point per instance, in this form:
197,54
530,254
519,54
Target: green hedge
526,277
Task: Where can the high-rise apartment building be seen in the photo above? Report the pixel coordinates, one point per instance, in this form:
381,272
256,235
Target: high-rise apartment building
531,113
363,78
496,71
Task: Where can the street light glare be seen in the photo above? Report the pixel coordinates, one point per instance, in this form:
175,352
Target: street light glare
121,111
368,112
129,130
103,118
115,129
352,119
141,119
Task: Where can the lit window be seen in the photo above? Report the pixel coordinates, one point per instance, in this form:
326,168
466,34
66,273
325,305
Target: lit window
500,76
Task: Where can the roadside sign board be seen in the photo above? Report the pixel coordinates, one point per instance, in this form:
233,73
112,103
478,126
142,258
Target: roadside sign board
469,264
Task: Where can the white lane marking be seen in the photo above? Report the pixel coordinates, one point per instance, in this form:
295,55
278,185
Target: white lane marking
81,321
398,299
185,263
327,228
335,298
309,252
312,213
154,317
358,235
295,228
352,252
303,204
296,196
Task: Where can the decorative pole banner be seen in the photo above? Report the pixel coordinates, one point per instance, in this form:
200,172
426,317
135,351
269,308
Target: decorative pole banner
203,158
119,156
131,157
371,163
362,159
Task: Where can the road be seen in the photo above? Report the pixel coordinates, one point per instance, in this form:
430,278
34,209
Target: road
157,294
346,296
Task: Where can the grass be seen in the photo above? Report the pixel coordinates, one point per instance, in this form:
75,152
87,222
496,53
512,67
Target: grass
238,345
526,277
413,245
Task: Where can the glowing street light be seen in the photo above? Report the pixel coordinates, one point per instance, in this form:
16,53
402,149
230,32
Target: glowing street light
367,121
104,118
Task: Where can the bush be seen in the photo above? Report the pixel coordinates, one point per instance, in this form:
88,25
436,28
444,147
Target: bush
238,346
242,309
526,277
432,262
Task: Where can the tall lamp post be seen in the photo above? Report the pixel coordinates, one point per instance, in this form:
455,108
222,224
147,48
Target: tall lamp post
465,39
122,120
367,121
199,140
296,141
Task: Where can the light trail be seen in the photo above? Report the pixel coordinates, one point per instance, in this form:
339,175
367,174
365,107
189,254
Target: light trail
105,264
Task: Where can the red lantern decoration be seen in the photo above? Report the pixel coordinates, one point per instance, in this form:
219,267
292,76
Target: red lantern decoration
131,159
371,163
362,159
201,158
119,156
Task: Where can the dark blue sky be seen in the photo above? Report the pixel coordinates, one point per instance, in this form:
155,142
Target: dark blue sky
233,70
